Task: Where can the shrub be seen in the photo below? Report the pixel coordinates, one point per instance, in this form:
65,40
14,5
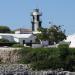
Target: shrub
49,58
64,51
3,40
63,46
7,44
17,45
39,58
5,29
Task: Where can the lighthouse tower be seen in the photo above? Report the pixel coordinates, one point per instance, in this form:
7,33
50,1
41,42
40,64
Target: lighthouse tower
36,22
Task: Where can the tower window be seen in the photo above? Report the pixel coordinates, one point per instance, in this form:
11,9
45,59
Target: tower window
33,18
37,17
33,27
39,24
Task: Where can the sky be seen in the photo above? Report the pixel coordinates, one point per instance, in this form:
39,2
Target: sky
17,13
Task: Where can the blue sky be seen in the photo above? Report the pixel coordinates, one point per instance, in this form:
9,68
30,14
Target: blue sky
16,13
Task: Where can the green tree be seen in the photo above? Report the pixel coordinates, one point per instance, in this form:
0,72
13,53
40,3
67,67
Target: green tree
53,34
5,29
56,34
43,35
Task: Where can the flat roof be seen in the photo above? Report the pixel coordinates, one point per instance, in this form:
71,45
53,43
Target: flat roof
17,35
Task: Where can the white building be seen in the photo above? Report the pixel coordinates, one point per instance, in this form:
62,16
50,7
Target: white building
19,38
71,39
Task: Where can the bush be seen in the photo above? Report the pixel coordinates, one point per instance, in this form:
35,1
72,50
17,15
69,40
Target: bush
49,58
5,29
4,40
17,45
7,44
63,46
39,58
64,51
37,41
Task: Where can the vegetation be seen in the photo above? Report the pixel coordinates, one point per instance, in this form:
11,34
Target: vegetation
17,45
49,58
53,34
5,29
4,40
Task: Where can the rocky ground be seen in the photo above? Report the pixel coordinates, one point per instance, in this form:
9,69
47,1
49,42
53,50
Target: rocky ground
12,69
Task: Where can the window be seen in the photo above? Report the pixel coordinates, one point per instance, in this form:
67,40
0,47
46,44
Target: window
23,41
31,41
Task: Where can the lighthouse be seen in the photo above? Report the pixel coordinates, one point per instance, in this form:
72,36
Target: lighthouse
36,22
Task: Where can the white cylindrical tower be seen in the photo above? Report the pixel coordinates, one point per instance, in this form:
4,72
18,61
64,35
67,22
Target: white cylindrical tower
36,22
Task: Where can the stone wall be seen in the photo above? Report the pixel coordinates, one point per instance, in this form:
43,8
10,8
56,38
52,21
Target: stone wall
9,55
13,69
23,69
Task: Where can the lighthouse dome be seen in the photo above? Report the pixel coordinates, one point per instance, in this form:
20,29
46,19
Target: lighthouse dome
36,12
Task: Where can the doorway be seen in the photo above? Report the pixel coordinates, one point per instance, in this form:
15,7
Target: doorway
24,42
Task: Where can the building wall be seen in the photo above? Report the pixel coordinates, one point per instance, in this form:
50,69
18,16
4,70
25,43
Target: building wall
16,39
13,38
27,40
71,39
10,38
17,32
